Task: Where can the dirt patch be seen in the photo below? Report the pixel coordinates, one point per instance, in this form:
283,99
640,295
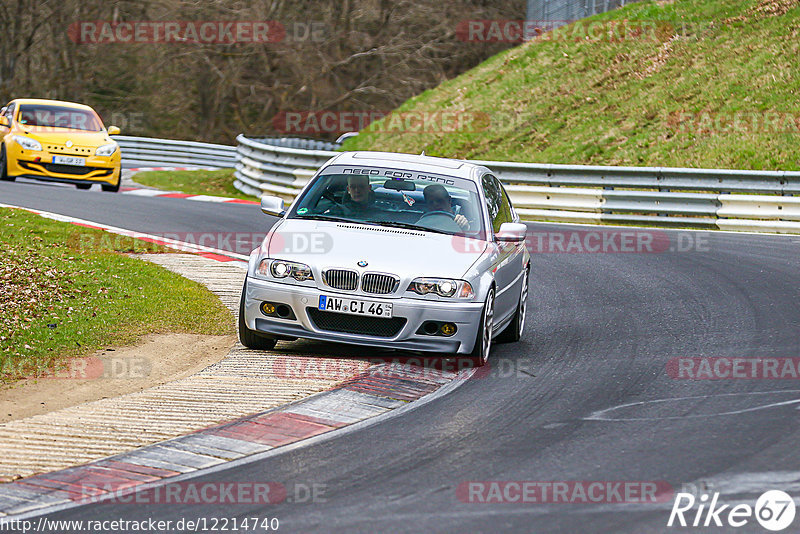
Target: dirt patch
27,291
765,9
657,61
156,360
773,8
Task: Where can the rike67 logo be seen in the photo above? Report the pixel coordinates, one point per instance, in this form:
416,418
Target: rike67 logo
774,510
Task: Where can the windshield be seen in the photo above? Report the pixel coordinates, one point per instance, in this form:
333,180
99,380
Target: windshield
394,197
59,117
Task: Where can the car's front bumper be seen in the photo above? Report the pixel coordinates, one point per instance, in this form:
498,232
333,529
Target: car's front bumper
465,315
36,165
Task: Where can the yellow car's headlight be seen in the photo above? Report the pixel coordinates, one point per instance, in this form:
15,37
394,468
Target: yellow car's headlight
27,143
106,150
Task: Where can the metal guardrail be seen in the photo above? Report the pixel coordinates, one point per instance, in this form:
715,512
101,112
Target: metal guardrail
152,152
659,196
298,142
662,196
554,13
276,170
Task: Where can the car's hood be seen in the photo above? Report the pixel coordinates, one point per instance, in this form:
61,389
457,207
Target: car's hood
62,135
406,253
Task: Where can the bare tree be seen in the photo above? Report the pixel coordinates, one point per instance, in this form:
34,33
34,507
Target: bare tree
336,54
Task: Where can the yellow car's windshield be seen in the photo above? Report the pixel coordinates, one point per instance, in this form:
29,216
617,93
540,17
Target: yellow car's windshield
51,116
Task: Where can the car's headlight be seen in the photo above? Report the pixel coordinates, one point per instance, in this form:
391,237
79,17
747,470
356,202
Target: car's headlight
283,269
27,143
106,150
444,287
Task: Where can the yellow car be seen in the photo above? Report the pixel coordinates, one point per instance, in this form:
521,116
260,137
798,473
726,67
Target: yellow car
59,142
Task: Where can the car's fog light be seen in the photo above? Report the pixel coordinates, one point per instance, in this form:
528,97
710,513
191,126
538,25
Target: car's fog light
277,309
430,328
437,328
448,329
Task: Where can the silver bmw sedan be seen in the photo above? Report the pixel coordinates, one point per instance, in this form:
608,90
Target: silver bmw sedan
391,250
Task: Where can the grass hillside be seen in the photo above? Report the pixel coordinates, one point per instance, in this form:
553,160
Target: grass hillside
691,83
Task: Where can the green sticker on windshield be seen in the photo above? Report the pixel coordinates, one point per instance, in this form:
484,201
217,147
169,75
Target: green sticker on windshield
302,211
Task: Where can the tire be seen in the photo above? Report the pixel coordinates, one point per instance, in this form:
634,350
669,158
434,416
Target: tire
248,338
113,188
84,187
4,166
483,340
513,332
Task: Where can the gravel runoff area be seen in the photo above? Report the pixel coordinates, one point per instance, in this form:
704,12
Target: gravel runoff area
244,382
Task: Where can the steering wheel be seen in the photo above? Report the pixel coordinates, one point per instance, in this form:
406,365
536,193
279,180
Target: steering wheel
329,195
432,213
440,220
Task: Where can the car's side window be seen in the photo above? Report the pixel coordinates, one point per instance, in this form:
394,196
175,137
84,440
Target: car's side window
506,208
496,202
492,197
10,112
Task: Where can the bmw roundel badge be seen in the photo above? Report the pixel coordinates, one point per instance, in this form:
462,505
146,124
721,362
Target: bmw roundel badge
362,263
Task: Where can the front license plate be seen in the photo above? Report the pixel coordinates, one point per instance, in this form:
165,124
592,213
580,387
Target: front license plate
69,160
355,306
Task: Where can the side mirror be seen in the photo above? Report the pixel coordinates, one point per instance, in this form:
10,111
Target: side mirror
113,130
4,121
511,233
272,206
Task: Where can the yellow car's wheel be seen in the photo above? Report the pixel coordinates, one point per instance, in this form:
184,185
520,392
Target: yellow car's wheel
4,166
113,188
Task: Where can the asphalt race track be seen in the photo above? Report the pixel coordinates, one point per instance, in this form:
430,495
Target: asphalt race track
162,216
585,396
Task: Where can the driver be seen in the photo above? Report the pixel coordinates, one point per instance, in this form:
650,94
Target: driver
359,200
438,199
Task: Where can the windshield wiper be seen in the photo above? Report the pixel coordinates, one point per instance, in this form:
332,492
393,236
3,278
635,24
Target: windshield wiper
319,217
409,226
